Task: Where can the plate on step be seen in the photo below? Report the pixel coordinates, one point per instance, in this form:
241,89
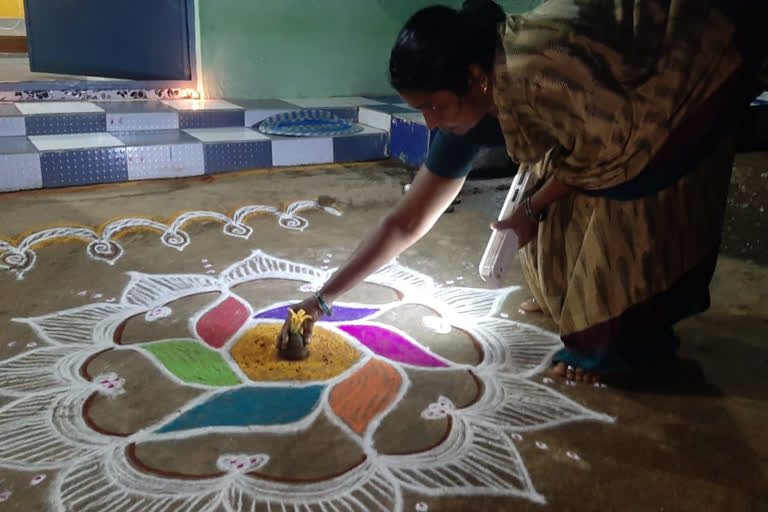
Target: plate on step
308,123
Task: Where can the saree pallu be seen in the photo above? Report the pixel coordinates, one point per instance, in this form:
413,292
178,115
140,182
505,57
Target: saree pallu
589,95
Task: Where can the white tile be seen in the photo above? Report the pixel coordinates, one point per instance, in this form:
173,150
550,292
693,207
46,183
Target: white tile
20,172
302,151
57,107
416,117
351,101
142,121
229,134
171,161
380,120
74,141
201,105
256,116
12,126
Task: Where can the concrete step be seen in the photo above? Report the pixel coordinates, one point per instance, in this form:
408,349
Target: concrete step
47,144
50,161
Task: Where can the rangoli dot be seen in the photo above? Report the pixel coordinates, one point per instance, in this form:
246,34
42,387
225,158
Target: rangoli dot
573,455
37,479
504,315
204,260
97,295
547,380
541,445
421,507
516,437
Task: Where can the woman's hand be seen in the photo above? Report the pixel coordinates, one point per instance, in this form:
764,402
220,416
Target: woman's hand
524,227
311,308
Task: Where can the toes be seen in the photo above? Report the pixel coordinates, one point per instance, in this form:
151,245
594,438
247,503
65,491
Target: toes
530,306
559,369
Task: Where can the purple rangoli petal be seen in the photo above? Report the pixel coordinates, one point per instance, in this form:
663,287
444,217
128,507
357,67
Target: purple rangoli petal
340,314
391,345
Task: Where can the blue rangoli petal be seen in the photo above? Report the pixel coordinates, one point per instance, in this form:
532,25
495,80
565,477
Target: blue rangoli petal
340,314
249,406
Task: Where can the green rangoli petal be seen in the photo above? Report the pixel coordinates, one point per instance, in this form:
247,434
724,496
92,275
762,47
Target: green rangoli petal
191,362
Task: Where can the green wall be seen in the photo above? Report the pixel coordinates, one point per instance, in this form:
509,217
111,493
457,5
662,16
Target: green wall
303,48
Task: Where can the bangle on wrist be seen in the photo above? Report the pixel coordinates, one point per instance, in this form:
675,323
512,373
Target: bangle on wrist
535,217
325,307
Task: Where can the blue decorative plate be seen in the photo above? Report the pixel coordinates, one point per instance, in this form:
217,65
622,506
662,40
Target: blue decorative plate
308,123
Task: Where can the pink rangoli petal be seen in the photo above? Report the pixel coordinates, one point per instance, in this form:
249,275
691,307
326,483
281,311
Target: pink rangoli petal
391,345
220,323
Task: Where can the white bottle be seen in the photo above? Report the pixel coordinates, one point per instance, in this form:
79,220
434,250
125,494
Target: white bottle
503,244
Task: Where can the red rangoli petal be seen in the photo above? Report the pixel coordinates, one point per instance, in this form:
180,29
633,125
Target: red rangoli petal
221,322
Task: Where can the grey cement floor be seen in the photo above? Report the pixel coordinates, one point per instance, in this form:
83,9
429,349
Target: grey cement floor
692,439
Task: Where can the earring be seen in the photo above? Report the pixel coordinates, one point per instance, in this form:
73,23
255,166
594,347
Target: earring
485,86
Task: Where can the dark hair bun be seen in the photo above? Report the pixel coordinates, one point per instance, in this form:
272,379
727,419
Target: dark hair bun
482,12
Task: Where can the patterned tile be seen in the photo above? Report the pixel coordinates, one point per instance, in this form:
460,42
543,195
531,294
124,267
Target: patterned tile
84,167
74,141
409,141
211,119
201,105
288,151
135,107
258,110
142,122
58,107
415,117
66,123
16,145
230,134
235,156
139,115
371,144
352,101
371,116
155,137
20,172
165,161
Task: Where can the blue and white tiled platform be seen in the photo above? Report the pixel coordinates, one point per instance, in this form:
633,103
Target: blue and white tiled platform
69,143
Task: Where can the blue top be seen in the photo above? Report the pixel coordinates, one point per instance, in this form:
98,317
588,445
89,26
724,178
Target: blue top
450,155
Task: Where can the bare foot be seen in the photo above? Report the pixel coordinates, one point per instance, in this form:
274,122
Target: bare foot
531,306
575,374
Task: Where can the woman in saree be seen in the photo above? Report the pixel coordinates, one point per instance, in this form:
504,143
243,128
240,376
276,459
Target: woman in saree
624,112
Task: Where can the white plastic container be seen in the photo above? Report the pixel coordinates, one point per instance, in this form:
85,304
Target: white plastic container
503,244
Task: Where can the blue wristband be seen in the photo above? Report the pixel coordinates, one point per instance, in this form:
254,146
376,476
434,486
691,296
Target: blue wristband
327,310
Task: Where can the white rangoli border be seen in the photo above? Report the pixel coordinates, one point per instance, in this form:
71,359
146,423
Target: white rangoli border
42,428
21,258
